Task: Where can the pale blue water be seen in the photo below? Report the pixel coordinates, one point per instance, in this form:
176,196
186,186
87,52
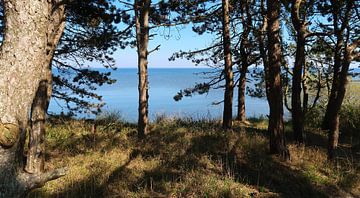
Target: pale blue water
164,84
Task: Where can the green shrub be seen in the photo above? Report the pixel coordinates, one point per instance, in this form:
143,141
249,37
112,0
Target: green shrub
350,121
110,117
315,116
349,114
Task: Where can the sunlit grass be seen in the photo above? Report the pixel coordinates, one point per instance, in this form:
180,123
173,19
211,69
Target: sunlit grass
186,158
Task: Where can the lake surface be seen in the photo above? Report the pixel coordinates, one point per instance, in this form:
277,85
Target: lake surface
164,84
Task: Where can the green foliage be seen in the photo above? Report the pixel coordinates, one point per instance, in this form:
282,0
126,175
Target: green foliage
201,88
350,119
349,114
110,117
90,36
314,116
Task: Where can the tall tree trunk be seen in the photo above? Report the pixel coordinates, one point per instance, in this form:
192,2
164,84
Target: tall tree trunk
341,67
22,66
333,135
330,112
297,109
276,122
229,84
263,53
244,57
142,9
36,153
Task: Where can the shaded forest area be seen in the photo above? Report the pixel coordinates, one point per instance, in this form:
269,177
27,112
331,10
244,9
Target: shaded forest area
303,56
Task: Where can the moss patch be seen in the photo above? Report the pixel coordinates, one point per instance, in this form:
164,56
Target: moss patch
9,134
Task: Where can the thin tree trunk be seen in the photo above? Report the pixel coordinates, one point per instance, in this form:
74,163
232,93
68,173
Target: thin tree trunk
244,54
142,9
22,65
276,123
263,52
297,110
241,116
229,84
36,153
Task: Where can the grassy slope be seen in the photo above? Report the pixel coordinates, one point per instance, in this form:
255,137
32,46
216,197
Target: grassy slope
185,158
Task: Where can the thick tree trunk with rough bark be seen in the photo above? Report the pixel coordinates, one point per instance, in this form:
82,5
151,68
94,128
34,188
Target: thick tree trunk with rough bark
36,152
229,82
297,109
142,10
276,123
22,64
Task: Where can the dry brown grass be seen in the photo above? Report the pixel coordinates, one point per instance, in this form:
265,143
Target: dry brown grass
187,158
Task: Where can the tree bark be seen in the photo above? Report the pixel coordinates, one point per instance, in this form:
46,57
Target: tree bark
343,55
263,53
330,112
333,135
36,152
276,123
229,82
241,113
296,106
22,65
142,9
244,56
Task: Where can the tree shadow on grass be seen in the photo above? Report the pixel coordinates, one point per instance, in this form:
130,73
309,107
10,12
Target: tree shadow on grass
89,187
251,165
243,156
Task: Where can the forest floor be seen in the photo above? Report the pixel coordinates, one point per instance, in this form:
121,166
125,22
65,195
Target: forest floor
187,158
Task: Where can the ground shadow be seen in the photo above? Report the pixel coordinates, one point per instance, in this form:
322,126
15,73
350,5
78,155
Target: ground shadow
180,148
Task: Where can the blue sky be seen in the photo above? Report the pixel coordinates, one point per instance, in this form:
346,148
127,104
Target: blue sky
182,39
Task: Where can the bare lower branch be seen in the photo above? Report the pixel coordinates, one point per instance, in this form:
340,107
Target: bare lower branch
38,180
155,49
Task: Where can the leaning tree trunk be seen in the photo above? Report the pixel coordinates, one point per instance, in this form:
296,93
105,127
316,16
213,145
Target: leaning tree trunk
22,65
333,135
36,153
229,82
296,107
330,111
343,55
276,122
142,10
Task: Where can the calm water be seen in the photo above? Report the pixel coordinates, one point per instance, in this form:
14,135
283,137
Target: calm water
164,84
